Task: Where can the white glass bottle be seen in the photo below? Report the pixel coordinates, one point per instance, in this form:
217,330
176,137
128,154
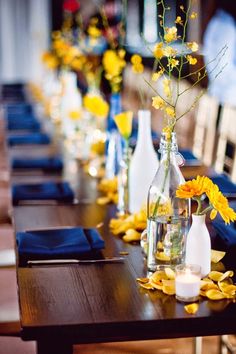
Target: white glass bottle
143,165
198,245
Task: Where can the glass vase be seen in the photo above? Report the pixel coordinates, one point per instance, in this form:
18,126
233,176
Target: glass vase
168,216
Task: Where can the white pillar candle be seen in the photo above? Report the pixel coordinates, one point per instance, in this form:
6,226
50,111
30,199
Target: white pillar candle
187,283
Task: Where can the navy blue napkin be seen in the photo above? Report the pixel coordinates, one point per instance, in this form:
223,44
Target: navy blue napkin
23,124
187,154
60,191
224,183
72,243
227,233
47,164
18,108
33,138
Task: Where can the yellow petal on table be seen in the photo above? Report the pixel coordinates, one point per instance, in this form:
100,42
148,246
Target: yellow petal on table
115,223
170,273
214,275
158,275
103,200
215,294
157,285
228,274
147,286
191,308
208,285
131,235
142,280
203,293
168,287
123,228
228,289
216,256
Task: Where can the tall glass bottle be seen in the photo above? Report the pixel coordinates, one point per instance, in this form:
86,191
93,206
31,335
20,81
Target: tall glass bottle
168,216
143,165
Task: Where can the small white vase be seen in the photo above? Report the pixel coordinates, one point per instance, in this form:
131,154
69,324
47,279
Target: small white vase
198,244
143,165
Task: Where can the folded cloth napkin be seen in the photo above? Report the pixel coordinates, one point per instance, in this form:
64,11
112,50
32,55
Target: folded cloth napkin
187,154
47,164
227,233
67,243
60,191
18,108
224,183
31,124
33,138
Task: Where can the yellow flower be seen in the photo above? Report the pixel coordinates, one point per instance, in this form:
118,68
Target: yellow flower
169,51
194,188
94,32
193,15
158,102
75,115
171,34
96,105
193,46
173,62
136,59
114,63
157,75
220,204
138,68
124,123
170,111
179,20
166,87
167,130
50,60
158,50
191,60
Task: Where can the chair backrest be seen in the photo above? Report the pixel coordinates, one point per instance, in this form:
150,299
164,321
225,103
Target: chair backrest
225,159
186,108
204,140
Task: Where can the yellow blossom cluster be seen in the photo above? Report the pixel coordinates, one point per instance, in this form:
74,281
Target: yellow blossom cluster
96,105
218,202
114,64
50,60
137,65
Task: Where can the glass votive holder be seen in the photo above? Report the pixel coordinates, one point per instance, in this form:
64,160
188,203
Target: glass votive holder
187,282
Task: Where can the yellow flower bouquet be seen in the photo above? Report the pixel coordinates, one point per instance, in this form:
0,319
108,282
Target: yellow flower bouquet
218,203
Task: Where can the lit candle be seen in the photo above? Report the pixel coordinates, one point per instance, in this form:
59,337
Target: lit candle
187,282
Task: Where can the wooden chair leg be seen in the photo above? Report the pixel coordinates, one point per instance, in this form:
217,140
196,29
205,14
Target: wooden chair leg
197,345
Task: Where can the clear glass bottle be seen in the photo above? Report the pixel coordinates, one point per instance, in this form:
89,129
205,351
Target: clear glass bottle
168,216
123,183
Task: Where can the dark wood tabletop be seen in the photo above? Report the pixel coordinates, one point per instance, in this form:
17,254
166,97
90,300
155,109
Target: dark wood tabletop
62,305
67,304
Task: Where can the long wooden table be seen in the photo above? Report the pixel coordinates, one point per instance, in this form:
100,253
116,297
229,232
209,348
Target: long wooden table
64,305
